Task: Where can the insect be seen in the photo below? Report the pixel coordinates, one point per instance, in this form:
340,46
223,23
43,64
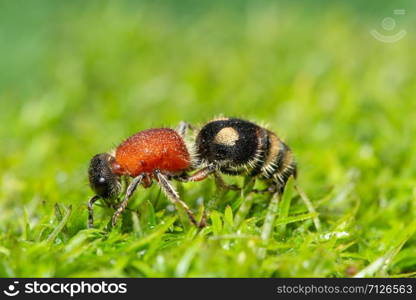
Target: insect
151,155
238,147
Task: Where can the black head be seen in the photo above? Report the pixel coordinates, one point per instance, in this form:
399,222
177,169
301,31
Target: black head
103,181
229,142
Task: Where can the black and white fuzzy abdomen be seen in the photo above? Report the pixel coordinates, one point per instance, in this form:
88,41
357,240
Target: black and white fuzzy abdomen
228,143
279,163
239,147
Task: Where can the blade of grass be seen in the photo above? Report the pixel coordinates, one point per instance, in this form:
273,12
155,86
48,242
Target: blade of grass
151,218
155,234
246,199
216,222
285,203
292,219
268,224
309,205
228,217
381,264
270,217
60,226
186,260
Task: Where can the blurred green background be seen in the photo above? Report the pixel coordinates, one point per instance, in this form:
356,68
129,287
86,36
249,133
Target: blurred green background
77,77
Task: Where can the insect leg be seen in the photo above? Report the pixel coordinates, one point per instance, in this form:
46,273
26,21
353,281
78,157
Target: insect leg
183,128
219,181
91,211
199,175
130,190
173,196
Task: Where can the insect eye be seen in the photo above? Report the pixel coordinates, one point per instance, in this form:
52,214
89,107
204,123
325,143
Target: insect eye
101,180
